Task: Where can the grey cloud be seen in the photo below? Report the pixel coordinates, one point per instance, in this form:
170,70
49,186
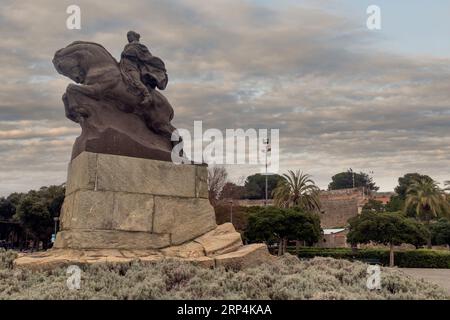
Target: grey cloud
338,98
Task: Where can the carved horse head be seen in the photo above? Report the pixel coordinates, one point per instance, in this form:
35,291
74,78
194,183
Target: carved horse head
75,60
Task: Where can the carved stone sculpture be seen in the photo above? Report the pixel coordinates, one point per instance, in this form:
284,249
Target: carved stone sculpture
118,106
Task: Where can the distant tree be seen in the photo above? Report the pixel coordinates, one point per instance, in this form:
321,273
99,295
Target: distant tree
15,198
427,201
271,225
374,206
303,226
440,231
407,180
386,228
395,204
344,180
255,186
54,196
420,234
266,225
297,189
36,210
232,191
217,178
7,209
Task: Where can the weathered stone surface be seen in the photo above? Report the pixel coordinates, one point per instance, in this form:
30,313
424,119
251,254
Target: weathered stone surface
87,210
134,175
110,239
82,173
63,257
188,250
136,254
128,194
201,182
66,213
132,212
184,219
243,257
246,257
222,239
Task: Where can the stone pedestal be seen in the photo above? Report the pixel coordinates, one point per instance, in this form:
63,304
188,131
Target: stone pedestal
120,208
117,202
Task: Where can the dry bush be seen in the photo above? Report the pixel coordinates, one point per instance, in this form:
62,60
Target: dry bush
287,278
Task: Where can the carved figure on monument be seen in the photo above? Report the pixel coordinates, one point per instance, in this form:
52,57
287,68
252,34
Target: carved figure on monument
142,69
117,105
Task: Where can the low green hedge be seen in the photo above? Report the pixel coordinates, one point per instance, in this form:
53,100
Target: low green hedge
421,258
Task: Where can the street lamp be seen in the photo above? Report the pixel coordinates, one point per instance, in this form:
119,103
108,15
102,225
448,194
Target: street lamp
266,143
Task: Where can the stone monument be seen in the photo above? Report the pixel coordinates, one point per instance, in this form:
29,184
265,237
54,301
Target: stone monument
125,198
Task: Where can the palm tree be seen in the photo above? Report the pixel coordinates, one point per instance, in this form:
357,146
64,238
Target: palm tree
427,200
297,189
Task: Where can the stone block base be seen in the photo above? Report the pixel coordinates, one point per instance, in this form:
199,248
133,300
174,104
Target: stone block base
219,247
118,202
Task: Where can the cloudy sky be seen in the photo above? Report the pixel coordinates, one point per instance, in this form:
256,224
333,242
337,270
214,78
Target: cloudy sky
342,96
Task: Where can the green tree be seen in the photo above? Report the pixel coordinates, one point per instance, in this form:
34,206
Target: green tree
277,225
441,232
232,191
255,186
344,180
427,201
34,215
265,225
7,209
406,181
374,206
36,210
297,189
396,203
302,226
387,229
420,234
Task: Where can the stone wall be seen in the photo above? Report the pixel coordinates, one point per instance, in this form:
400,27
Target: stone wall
337,205
334,240
340,205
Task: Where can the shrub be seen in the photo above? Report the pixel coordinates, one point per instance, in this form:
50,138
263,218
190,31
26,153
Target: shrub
7,258
285,278
422,258
440,231
272,224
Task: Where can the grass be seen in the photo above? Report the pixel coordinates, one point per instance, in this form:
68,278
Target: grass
287,278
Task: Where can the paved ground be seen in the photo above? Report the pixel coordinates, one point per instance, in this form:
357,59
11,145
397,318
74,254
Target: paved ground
441,277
